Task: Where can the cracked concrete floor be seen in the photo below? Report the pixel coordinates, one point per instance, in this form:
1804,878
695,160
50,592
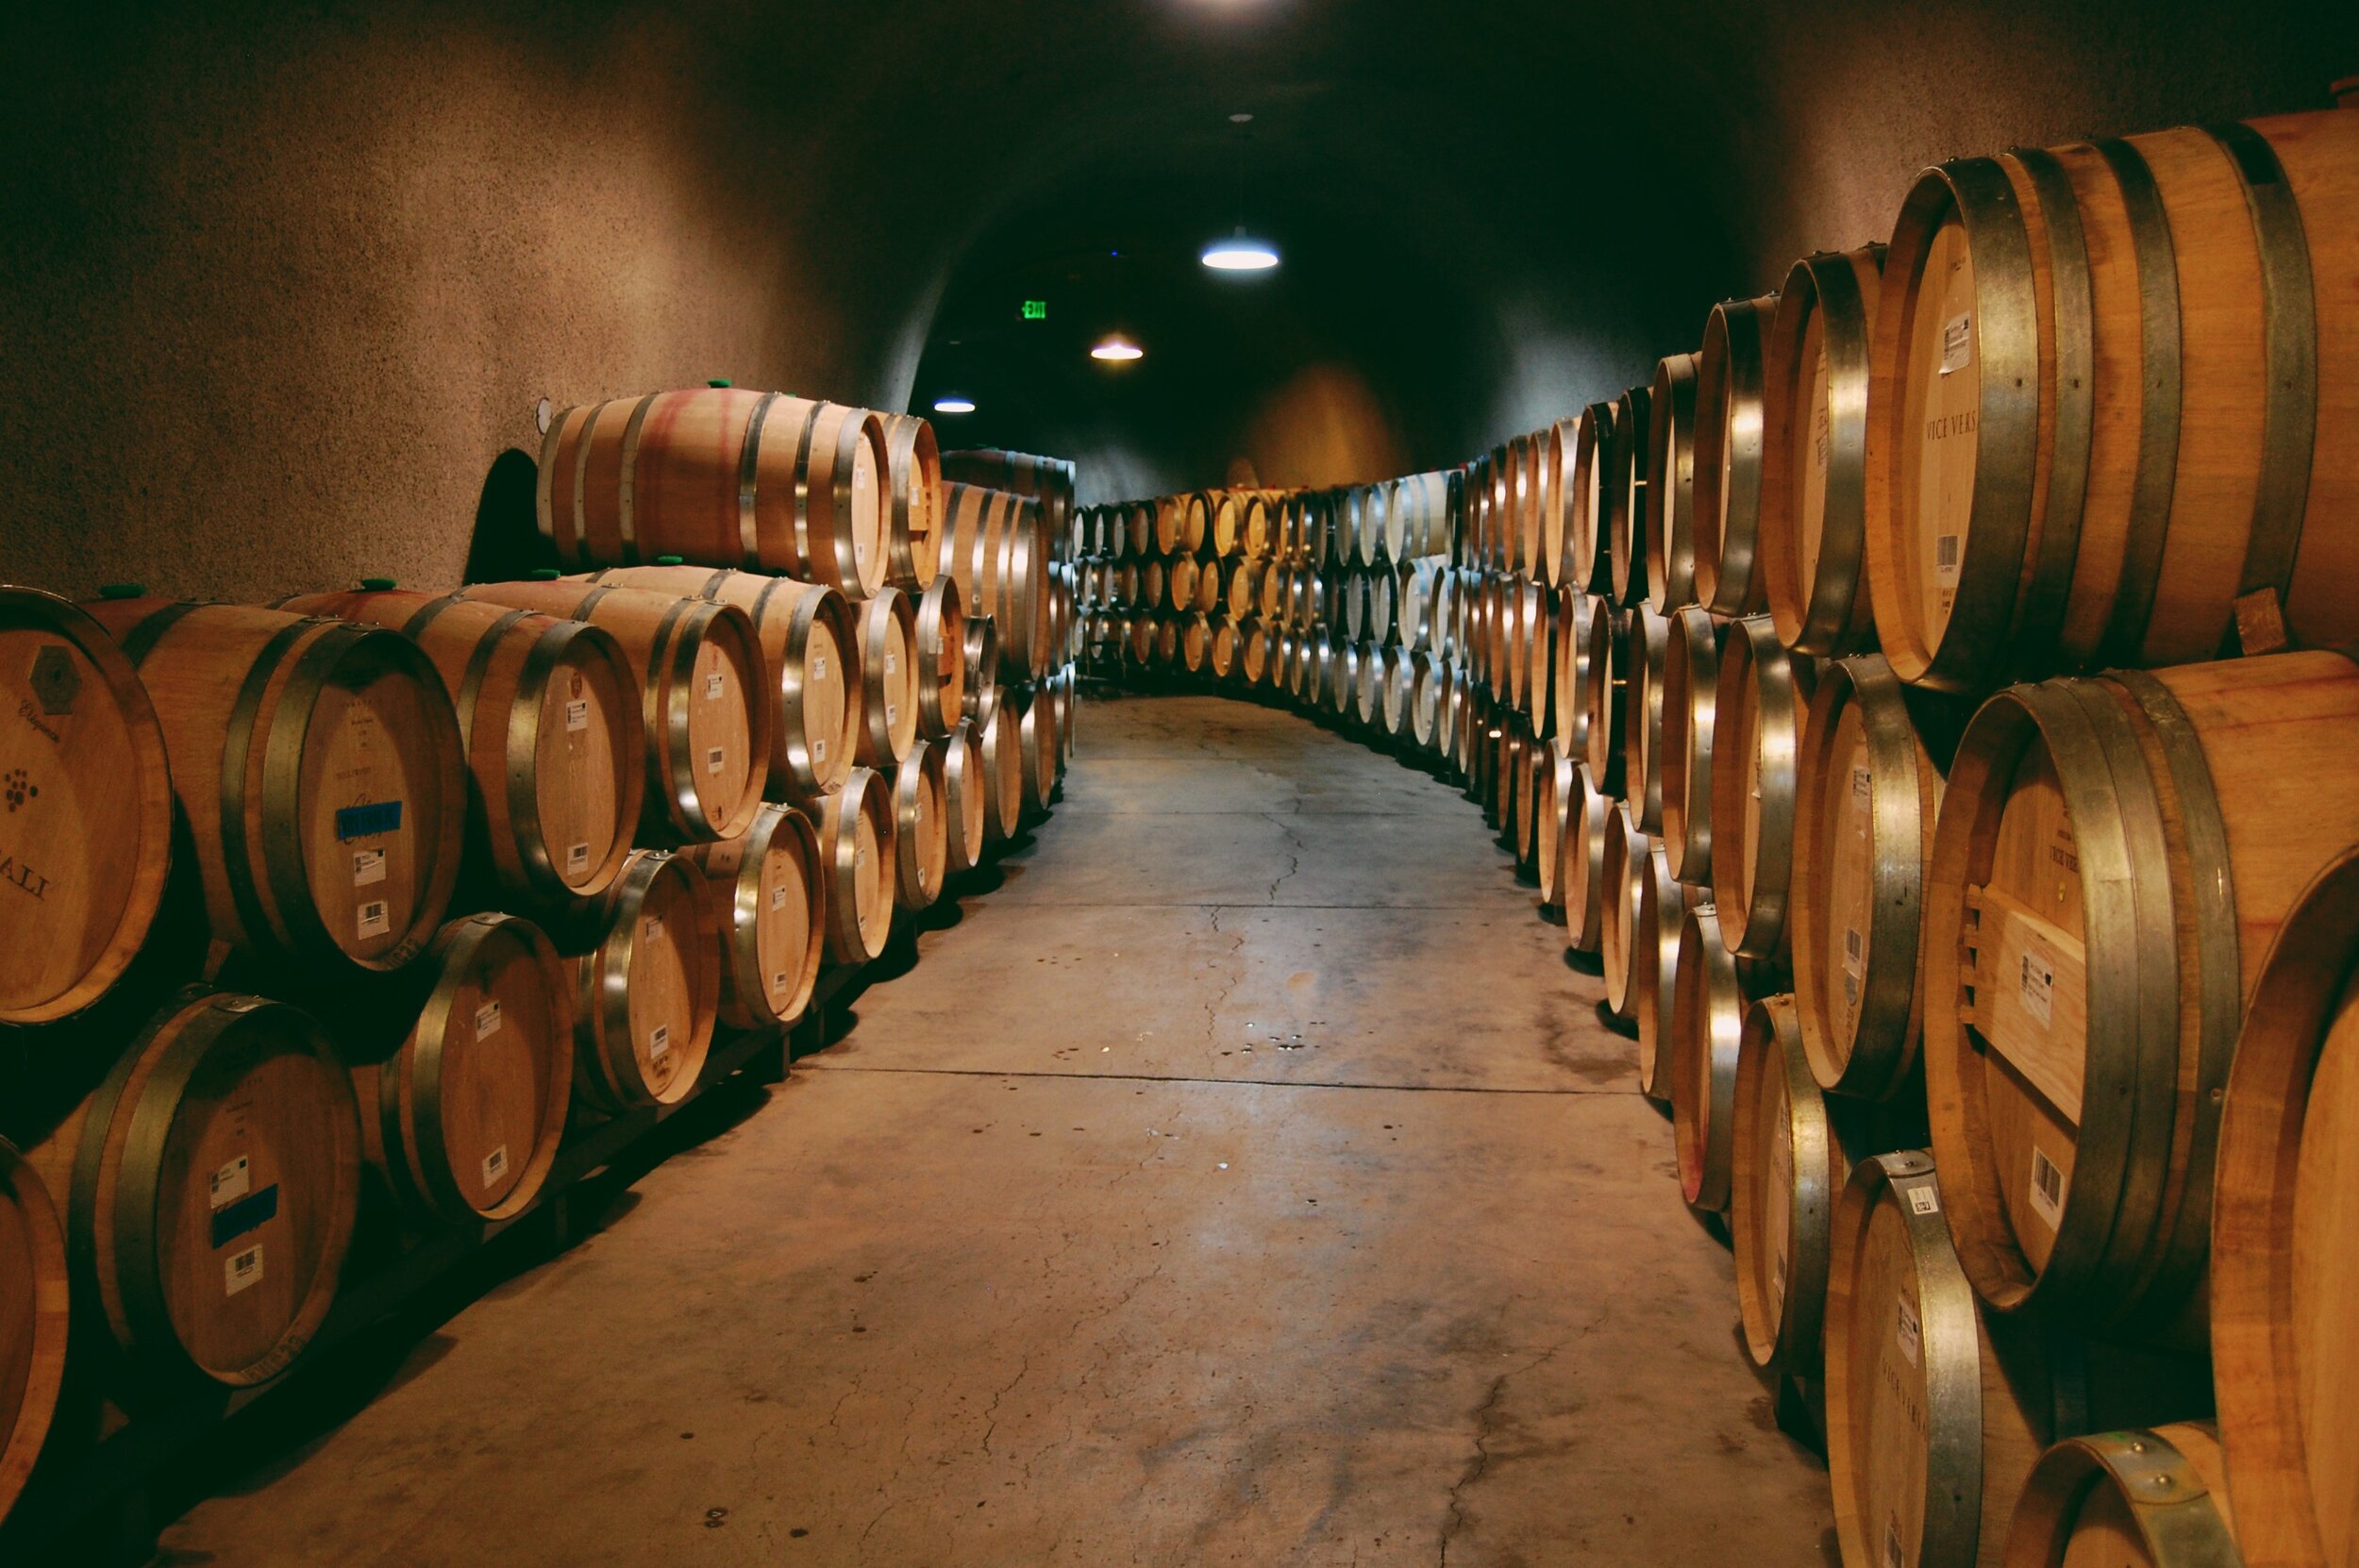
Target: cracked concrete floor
1247,1180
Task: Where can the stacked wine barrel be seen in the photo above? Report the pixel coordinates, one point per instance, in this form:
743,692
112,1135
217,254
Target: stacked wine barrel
338,920
1929,699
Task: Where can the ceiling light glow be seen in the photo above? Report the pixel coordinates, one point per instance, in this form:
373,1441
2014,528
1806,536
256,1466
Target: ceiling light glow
954,406
1114,347
1238,253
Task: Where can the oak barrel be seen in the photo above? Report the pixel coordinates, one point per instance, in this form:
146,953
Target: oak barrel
921,827
806,631
85,839
1588,527
998,553
1691,694
721,476
210,1188
35,1302
1588,814
1707,1024
966,803
1759,721
1626,505
857,855
1003,745
1670,527
886,643
913,531
703,687
321,771
1725,520
1813,541
2076,1041
462,1120
762,909
1657,908
646,998
2145,1498
1790,1148
1605,631
1645,646
2109,402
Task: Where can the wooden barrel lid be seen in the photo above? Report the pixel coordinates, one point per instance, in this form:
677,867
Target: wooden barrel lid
2144,1498
33,1316
85,808
1813,485
920,829
1707,1024
1786,1169
653,987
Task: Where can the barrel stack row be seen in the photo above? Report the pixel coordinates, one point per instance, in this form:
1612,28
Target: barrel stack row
1929,700
335,921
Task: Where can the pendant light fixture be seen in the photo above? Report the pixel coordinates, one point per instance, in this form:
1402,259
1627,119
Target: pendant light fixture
1240,253
1113,346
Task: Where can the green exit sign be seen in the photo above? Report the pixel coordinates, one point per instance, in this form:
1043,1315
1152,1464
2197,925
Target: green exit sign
1035,309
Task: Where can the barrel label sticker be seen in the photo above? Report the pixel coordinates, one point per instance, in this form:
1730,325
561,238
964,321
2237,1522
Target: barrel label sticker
893,714
242,1270
577,859
1957,343
487,1019
577,716
777,898
715,758
1863,788
1906,1330
2047,1186
368,865
494,1166
1924,1200
659,1042
819,666
713,687
654,930
375,918
2037,981
819,748
246,1216
1946,559
232,1182
368,822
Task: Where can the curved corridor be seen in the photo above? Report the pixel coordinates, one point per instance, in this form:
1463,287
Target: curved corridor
1248,1180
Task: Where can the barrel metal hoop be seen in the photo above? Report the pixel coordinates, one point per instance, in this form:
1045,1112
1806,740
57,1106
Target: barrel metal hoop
803,556
2170,1504
748,480
581,555
141,640
2049,583
415,627
2290,414
678,781
522,755
479,661
421,1063
628,494
2182,1246
545,475
237,746
1742,438
2161,372
83,1262
1829,607
1895,921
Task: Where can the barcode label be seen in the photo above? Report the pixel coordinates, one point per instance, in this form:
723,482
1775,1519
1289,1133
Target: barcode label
819,748
2036,983
893,714
713,688
778,981
487,1019
494,1165
893,662
577,859
1906,1331
241,1270
1862,786
1957,343
714,760
1855,950
819,666
1924,1200
659,1042
2047,1189
1946,559
654,930
777,898
368,865
232,1181
577,715
376,920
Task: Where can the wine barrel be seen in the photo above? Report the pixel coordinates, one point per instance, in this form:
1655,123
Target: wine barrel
1936,1411
806,632
1658,907
1607,632
321,772
2145,338
912,504
35,1301
2281,1228
701,678
1867,795
720,475
1425,675
1166,644
1138,530
858,857
1813,479
1036,729
2076,1041
1670,541
1790,1148
1003,745
1628,504
1691,694
86,836
1582,839
998,556
1729,435
1758,719
1167,516
1647,645
462,1120
549,711
921,827
1180,583
1621,870
1195,643
1049,482
211,1187
2147,1498
646,996
761,912
888,677
1707,1024
1589,500
1569,674
967,803
1152,585
980,698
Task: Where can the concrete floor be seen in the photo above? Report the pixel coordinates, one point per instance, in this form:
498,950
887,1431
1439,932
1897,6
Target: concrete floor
1247,1180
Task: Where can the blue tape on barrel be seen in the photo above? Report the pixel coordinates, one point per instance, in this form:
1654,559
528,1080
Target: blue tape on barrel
368,822
244,1215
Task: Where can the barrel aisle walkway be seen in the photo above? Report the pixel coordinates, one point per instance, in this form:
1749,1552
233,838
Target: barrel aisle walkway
1247,1180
